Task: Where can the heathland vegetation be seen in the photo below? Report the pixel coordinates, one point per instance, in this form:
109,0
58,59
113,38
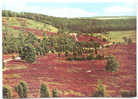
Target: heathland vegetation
79,50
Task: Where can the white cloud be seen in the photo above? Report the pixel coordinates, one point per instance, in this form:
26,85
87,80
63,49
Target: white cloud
119,10
23,5
14,4
72,1
17,5
88,1
69,12
61,12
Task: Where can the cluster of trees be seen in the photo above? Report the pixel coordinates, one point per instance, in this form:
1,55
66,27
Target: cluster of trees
29,46
90,49
22,91
78,25
90,56
8,13
24,44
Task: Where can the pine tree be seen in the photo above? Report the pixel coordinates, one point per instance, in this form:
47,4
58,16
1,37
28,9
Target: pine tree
55,92
6,92
112,64
100,91
21,89
44,92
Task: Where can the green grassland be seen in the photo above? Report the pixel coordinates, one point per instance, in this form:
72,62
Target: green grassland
117,36
27,23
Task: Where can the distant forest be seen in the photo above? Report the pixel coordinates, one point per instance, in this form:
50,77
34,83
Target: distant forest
79,25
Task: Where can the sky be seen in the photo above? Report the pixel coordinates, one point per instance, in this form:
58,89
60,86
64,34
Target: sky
73,8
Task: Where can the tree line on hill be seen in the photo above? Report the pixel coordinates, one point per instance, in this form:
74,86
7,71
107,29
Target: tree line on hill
78,25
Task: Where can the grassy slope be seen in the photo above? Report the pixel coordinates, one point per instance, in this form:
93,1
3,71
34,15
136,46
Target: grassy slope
22,22
117,36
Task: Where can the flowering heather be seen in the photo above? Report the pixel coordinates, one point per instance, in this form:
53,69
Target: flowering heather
75,78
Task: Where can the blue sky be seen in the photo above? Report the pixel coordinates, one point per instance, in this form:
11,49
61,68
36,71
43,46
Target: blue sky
74,8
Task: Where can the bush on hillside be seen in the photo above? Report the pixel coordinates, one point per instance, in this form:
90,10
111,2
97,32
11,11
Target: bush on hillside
100,91
6,92
99,56
112,64
44,91
55,92
21,89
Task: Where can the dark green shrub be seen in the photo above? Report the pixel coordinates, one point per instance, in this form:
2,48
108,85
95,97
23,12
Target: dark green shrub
90,57
79,58
13,57
112,64
28,53
129,40
113,43
21,89
107,46
55,92
76,58
70,58
66,53
99,56
100,91
59,54
44,92
125,39
52,51
6,92
104,39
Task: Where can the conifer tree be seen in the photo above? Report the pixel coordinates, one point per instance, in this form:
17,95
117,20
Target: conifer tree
55,92
100,91
44,91
21,89
112,64
6,92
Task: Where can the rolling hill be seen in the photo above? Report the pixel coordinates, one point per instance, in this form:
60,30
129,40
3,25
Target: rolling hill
14,25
